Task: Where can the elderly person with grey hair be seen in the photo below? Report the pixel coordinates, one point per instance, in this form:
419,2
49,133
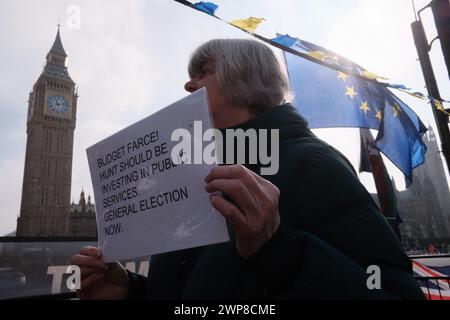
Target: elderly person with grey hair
311,231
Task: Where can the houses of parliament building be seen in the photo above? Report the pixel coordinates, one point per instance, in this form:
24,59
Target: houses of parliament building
45,209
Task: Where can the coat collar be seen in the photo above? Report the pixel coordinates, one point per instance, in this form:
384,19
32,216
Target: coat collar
284,117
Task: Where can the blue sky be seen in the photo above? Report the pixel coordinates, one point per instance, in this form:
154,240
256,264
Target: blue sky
129,59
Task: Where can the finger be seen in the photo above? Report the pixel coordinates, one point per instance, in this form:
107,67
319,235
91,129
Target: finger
260,179
89,281
85,272
237,172
87,262
91,251
229,211
237,192
227,171
266,185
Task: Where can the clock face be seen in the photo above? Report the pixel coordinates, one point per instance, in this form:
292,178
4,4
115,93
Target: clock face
58,104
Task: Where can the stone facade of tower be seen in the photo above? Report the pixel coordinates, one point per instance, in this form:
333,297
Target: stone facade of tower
425,206
52,109
82,221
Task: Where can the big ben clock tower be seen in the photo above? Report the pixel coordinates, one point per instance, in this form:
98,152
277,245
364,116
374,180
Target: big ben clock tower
52,108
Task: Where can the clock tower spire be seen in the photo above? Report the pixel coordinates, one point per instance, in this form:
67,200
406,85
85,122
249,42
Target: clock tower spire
57,55
52,108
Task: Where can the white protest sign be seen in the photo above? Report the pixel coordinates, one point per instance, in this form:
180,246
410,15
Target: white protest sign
145,202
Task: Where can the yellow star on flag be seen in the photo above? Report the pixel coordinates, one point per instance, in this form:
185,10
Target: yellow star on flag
379,115
350,92
396,109
342,76
370,75
364,107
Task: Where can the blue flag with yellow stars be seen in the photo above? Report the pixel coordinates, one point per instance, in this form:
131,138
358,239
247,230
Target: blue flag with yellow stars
330,98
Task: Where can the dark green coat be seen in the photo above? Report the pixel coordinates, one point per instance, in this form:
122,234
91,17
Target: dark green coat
331,231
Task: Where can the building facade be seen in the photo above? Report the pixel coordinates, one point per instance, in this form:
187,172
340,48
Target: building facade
46,190
425,206
82,221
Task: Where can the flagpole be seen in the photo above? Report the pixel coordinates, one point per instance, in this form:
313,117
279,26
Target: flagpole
414,9
441,118
371,161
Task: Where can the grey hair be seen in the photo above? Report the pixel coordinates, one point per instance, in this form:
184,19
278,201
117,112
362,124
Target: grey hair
247,71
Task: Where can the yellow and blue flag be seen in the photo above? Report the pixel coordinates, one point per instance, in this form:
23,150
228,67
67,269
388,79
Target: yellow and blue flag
348,96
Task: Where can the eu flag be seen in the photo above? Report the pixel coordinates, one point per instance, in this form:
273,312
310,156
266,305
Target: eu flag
328,98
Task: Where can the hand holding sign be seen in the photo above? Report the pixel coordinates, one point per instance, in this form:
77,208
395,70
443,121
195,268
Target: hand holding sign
99,280
253,209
